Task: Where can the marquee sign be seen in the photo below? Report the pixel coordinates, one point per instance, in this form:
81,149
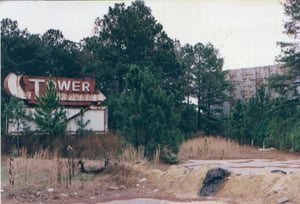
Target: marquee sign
71,91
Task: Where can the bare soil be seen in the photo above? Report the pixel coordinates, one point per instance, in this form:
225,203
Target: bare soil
148,180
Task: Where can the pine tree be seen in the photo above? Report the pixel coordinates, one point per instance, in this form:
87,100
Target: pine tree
205,80
82,124
287,84
236,128
146,116
49,116
286,111
131,35
15,110
257,117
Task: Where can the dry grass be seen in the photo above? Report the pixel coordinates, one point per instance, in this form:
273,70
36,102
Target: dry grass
47,170
131,175
43,170
213,148
98,146
131,154
34,178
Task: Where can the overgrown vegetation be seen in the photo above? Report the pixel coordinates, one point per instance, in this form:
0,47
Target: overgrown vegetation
49,116
47,169
149,80
266,121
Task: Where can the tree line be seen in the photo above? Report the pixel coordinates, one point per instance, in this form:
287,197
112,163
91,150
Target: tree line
149,80
273,121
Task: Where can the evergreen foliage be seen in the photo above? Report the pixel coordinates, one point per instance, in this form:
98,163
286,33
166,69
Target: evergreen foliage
14,113
258,117
283,126
188,120
287,84
33,54
81,124
265,122
274,122
236,127
145,114
150,81
49,116
205,81
14,110
286,108
126,36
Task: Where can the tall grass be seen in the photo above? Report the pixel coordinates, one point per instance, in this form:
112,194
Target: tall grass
213,148
43,169
131,154
47,169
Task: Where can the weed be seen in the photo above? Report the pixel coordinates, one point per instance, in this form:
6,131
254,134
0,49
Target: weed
131,154
156,158
211,148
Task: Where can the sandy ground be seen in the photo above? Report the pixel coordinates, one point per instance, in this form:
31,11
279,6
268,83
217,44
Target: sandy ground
155,201
248,166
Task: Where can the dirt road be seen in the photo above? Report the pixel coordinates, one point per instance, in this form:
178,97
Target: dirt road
154,201
246,166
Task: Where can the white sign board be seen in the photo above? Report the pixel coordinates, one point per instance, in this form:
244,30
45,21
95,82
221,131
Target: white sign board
96,115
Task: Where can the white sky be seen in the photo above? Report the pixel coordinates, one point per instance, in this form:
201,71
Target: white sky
244,31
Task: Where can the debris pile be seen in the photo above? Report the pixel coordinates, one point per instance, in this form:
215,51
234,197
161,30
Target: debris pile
212,182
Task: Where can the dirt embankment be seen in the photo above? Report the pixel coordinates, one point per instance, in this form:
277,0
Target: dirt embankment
259,187
175,183
35,181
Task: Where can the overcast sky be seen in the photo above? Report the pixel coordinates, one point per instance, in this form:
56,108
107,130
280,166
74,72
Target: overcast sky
244,31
